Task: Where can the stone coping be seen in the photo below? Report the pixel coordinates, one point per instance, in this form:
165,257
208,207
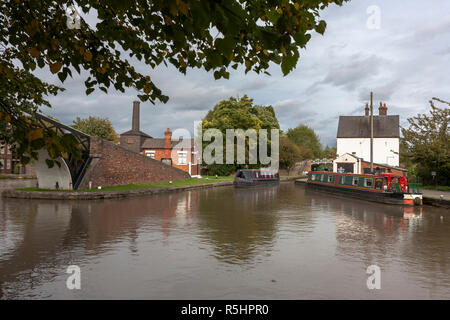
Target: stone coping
58,195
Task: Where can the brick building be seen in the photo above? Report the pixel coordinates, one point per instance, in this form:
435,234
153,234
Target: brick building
181,153
9,164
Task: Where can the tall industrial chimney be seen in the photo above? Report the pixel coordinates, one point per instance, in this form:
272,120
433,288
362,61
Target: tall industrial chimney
135,120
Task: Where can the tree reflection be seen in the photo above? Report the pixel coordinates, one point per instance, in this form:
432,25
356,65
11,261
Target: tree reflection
239,223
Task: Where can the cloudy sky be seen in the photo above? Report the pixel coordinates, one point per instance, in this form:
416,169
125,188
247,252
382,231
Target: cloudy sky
405,63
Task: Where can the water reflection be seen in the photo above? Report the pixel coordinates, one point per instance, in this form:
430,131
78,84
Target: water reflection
165,246
412,241
239,223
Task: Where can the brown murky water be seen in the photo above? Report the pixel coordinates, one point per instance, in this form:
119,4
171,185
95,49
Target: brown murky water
264,243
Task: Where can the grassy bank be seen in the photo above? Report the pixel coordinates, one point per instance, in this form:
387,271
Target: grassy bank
438,188
180,183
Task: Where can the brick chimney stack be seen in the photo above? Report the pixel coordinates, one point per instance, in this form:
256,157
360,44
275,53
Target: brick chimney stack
135,120
382,110
167,139
367,109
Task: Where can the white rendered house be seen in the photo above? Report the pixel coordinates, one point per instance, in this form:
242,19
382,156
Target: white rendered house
353,137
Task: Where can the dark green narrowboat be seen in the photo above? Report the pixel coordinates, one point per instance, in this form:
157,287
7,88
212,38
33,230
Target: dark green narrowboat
383,187
255,177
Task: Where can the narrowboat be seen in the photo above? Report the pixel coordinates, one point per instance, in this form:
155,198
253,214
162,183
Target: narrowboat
255,177
383,187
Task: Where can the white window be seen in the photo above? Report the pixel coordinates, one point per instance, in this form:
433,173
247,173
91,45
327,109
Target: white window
182,157
150,154
2,164
355,181
2,148
368,182
8,164
330,178
8,148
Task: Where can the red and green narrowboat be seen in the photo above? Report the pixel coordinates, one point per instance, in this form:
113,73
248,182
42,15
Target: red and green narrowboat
383,188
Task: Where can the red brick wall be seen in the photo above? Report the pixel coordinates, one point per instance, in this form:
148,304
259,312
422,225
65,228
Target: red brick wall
115,165
394,171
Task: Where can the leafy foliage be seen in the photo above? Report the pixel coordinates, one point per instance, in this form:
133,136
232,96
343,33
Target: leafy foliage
305,137
289,153
329,153
213,35
99,127
238,114
426,143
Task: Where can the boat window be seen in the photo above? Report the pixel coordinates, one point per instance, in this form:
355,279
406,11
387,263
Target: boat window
313,176
368,182
330,178
240,174
322,178
343,180
355,181
378,183
257,174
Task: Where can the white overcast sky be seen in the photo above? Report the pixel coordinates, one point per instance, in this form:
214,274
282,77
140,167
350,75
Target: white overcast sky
405,63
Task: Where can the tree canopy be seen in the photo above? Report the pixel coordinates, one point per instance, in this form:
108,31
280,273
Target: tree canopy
238,114
426,142
93,126
214,35
304,136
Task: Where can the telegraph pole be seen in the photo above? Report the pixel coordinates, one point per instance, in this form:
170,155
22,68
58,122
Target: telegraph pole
371,132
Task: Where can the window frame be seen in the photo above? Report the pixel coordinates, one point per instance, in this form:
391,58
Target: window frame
184,156
149,153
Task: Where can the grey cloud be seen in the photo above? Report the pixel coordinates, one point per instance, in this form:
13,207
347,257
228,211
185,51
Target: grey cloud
355,70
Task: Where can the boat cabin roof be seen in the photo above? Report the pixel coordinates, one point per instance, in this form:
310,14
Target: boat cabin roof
381,175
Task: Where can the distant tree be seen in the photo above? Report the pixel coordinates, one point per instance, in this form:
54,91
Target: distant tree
289,153
238,114
303,136
99,127
213,35
427,143
329,153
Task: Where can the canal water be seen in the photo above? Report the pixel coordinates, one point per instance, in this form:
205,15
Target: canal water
281,242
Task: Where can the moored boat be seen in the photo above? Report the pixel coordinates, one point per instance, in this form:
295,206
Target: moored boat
255,177
383,188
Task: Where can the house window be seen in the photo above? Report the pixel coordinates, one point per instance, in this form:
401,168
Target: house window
182,157
8,164
167,161
150,154
355,181
2,148
368,182
8,148
2,164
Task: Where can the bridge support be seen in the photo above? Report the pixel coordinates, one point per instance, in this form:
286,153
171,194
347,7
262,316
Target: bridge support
52,178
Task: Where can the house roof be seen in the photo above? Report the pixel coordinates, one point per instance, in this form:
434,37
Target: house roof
158,143
359,127
135,133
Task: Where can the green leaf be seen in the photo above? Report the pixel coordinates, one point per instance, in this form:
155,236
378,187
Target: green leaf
320,28
301,38
289,62
50,163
